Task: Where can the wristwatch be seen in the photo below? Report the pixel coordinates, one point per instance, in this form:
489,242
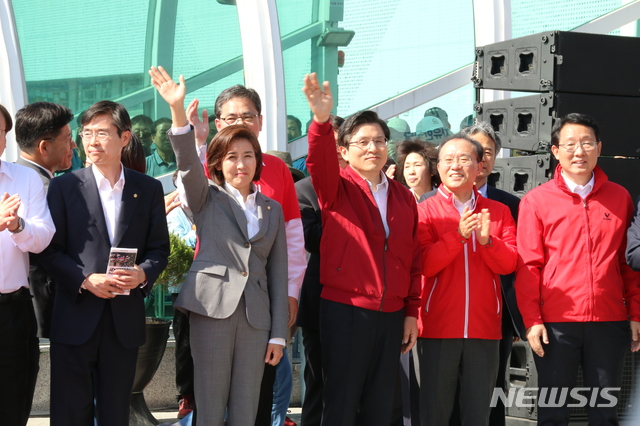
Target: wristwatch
20,226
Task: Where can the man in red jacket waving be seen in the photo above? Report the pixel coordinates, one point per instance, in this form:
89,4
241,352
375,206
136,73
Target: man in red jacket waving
574,288
369,264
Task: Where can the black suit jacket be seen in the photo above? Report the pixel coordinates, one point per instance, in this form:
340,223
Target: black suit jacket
508,289
40,284
81,247
309,301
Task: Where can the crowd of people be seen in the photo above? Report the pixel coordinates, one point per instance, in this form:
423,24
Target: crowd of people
418,279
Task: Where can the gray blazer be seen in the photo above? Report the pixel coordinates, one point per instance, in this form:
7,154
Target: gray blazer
229,264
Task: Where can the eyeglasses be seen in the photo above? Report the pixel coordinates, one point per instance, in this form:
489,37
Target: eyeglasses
68,139
363,144
587,146
143,135
463,161
245,118
100,135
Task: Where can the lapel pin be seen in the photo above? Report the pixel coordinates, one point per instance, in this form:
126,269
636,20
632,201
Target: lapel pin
268,207
135,195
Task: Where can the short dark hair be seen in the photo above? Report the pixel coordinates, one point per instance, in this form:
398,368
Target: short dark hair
476,145
219,146
142,119
484,128
117,112
427,150
133,155
295,120
38,121
160,121
7,118
574,118
336,122
234,92
359,118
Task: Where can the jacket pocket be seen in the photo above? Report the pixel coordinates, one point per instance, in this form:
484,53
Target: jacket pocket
209,268
433,289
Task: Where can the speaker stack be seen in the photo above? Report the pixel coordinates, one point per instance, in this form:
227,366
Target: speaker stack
567,72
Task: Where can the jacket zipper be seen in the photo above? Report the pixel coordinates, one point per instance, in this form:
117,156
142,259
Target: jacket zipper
433,289
466,288
495,291
588,236
384,271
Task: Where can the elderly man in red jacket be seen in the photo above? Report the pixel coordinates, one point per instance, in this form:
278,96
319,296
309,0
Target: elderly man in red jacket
369,264
574,289
468,241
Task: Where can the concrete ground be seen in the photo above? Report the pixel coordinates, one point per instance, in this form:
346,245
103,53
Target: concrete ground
163,417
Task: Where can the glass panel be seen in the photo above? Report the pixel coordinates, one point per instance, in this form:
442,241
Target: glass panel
65,55
530,17
400,45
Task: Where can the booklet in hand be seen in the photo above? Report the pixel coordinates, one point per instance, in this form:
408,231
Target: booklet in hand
121,258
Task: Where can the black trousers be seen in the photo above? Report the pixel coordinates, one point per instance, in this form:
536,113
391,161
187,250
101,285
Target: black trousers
360,358
314,384
19,357
446,363
100,368
600,347
184,362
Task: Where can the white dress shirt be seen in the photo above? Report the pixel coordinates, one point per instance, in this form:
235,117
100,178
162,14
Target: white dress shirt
38,226
380,195
39,166
581,190
110,198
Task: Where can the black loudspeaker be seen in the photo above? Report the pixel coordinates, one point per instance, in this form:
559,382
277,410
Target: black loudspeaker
517,175
522,376
525,123
623,171
561,61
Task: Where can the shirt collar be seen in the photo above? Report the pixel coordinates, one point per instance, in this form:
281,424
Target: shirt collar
43,168
103,182
579,189
251,198
483,190
384,183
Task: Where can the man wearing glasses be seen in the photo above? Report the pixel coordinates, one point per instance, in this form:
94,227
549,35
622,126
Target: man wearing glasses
369,264
98,319
574,289
46,146
468,241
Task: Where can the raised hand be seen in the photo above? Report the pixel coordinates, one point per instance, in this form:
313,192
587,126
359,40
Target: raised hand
319,98
171,92
200,127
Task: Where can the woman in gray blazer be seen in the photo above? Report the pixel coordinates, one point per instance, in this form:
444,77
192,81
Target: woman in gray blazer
236,291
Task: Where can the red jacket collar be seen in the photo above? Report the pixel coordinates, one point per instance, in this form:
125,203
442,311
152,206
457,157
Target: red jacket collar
599,175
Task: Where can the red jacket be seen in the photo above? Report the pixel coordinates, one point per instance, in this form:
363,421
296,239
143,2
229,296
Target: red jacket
571,265
461,297
359,265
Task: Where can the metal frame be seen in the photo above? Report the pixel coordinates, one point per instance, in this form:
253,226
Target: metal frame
13,91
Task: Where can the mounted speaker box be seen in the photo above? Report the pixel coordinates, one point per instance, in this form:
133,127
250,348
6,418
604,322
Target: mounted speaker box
517,175
561,61
525,123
